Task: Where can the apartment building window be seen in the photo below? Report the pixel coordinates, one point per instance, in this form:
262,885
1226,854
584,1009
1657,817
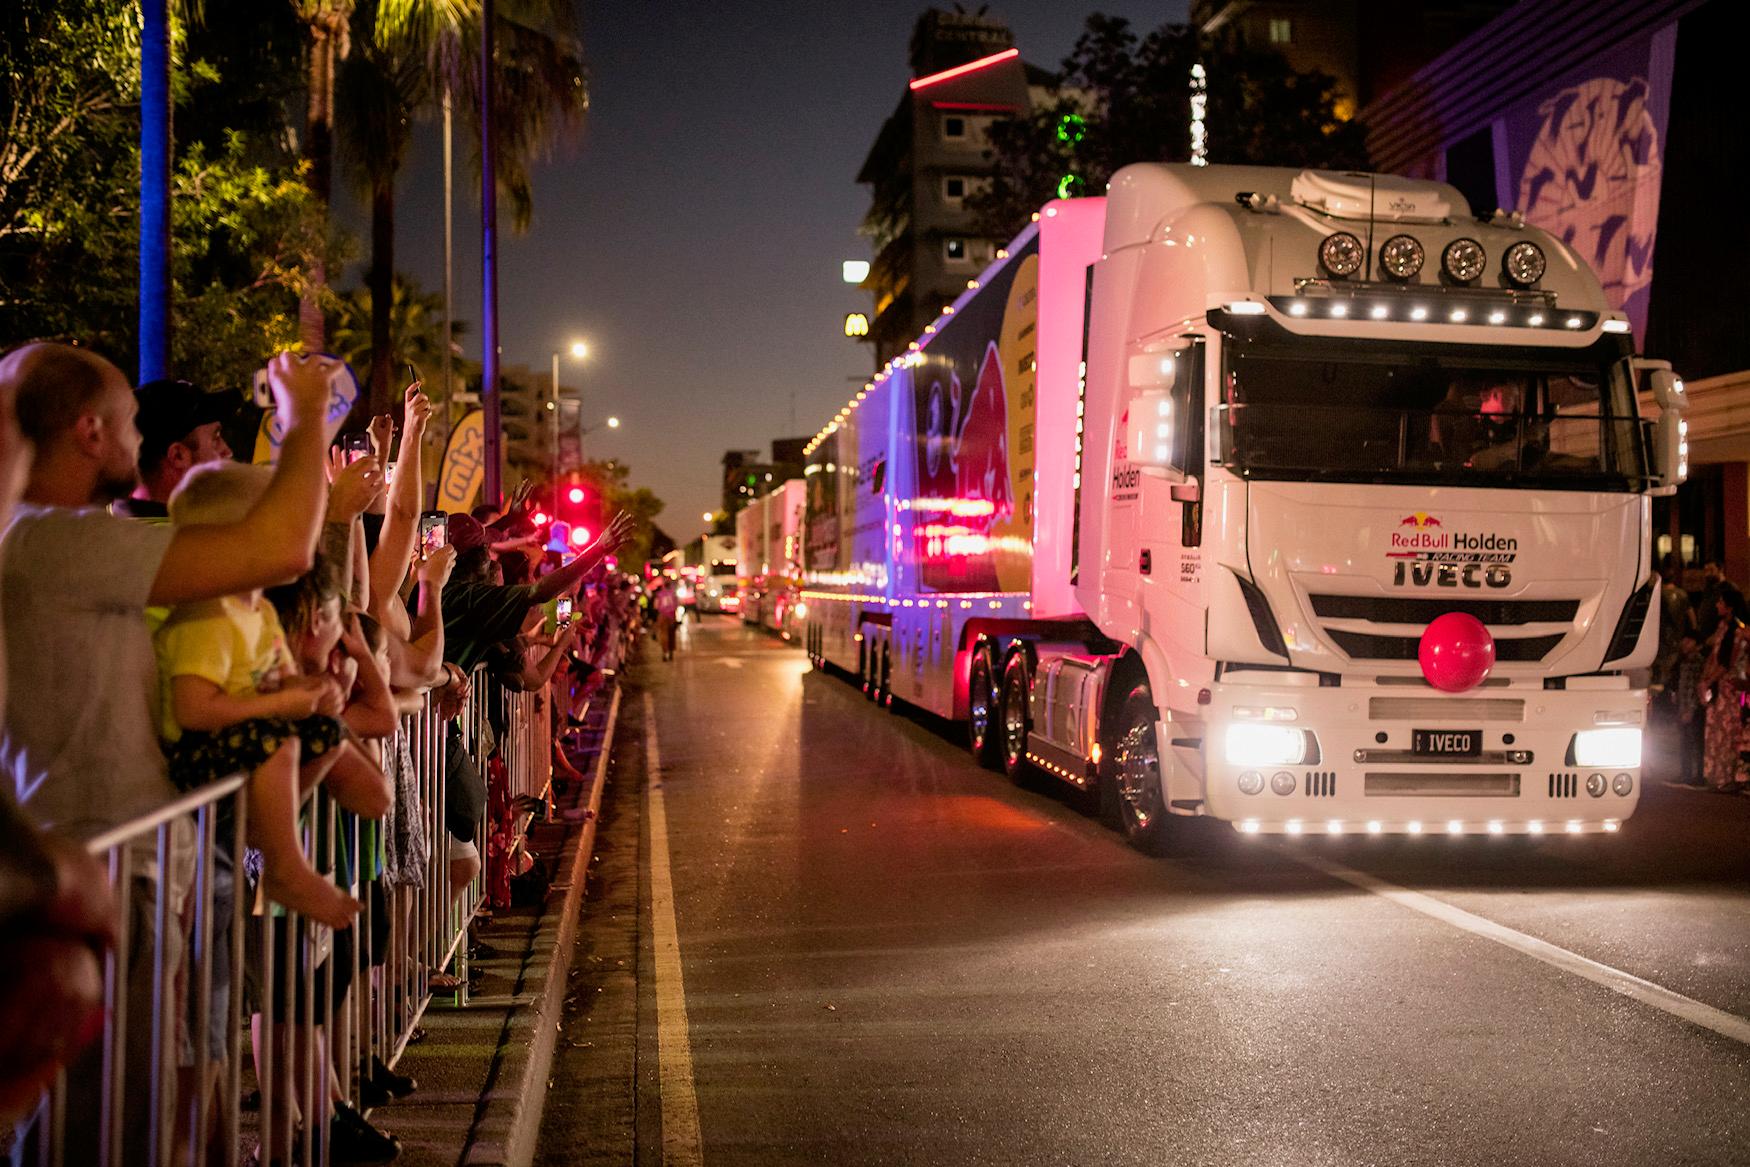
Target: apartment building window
954,250
1281,31
954,188
954,127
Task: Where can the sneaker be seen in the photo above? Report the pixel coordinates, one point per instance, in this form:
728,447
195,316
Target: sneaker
394,1084
353,1140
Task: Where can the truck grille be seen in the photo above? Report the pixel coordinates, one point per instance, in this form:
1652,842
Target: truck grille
1321,784
1457,709
1564,786
1402,785
1368,646
1403,610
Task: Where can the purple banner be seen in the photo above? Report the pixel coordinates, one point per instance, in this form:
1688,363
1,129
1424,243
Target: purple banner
1583,159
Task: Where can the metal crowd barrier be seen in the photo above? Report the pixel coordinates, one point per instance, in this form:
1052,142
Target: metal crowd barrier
152,1091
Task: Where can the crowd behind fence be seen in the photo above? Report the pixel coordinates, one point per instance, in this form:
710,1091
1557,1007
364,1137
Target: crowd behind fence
192,1108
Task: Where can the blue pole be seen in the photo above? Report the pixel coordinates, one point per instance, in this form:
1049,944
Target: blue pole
155,151
489,399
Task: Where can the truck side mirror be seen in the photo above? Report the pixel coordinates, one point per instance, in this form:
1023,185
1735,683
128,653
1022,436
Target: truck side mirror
1148,435
1670,430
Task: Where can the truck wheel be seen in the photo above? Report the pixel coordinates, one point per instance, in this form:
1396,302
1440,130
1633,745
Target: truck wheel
884,687
1136,773
981,713
1014,724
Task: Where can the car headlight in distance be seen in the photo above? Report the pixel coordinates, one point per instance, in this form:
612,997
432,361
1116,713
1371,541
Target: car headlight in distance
1340,254
1613,749
1266,745
1524,263
1463,260
1401,256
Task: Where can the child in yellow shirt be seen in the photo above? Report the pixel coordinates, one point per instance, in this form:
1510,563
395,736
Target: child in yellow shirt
233,700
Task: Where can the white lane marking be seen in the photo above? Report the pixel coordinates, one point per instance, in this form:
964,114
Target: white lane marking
1646,992
674,1051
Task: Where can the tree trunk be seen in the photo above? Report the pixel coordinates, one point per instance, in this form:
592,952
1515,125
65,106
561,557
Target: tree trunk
385,384
319,152
492,490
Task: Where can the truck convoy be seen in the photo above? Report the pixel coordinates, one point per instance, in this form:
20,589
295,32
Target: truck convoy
714,561
1304,500
770,566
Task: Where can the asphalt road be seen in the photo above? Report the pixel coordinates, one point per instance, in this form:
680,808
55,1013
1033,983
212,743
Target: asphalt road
885,954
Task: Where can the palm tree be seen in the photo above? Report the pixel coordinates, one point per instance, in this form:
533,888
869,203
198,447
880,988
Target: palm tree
415,51
326,21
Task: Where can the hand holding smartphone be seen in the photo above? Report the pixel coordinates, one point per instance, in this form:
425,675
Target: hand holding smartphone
434,531
563,611
355,446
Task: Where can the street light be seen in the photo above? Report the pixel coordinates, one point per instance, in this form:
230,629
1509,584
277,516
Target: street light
579,350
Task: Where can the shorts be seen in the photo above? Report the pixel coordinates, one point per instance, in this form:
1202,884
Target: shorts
339,960
200,757
463,849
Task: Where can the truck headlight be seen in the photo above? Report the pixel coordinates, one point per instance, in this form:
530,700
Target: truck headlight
1616,749
1270,745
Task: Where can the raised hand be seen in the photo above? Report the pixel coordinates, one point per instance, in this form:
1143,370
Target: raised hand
416,413
356,487
300,386
434,570
382,431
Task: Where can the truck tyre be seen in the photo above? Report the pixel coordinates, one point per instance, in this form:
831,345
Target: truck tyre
983,719
1015,722
1135,777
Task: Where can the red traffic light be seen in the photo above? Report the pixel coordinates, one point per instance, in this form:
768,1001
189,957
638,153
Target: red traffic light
540,519
575,494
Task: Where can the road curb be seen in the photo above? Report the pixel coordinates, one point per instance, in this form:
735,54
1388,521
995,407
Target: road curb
517,1107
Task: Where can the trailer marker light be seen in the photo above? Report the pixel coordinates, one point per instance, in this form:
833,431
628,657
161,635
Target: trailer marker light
1250,827
1373,827
1534,827
1574,827
1459,315
1455,827
1616,326
1339,310
1497,317
1574,322
1418,313
1298,308
1380,312
1413,827
1612,825
1246,307
1535,319
1334,827
1292,826
1495,828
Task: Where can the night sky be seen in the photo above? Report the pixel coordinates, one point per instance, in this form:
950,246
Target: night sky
693,233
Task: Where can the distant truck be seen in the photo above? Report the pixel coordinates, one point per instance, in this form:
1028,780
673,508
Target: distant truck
769,572
1304,500
715,586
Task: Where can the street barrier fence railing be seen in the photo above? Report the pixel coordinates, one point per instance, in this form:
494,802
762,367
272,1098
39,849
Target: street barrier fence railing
166,1082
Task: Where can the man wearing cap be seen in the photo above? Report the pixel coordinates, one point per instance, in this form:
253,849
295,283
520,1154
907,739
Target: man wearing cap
180,427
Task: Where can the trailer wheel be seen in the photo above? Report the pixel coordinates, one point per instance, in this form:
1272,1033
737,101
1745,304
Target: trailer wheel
1135,778
1014,724
982,704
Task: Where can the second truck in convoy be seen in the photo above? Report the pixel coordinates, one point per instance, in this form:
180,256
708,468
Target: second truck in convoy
1305,500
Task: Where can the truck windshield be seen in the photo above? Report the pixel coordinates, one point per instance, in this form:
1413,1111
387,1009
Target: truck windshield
1390,413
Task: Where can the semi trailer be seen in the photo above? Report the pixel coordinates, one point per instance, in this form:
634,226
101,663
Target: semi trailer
1309,501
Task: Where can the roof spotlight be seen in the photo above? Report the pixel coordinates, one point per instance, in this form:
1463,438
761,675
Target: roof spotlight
1523,263
1401,256
1463,260
1340,254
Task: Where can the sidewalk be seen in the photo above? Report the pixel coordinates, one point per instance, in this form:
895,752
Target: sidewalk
482,1068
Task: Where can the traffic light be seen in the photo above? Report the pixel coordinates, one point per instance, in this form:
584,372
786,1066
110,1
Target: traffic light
575,494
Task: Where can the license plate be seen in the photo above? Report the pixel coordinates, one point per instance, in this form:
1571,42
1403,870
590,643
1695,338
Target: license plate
1447,743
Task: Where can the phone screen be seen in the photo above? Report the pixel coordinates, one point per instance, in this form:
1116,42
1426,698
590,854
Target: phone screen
564,609
355,446
412,373
434,531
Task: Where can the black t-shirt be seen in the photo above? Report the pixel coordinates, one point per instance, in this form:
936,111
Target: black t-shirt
478,616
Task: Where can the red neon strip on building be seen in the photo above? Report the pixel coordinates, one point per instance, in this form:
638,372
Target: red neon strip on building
962,70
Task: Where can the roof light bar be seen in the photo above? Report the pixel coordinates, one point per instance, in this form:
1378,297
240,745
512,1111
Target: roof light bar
962,70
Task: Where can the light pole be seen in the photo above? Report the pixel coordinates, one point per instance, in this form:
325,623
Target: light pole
579,353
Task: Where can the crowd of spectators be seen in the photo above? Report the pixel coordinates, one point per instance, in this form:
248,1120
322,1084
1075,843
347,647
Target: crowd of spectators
171,617
1701,677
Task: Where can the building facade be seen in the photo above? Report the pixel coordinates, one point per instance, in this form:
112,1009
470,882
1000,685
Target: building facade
928,158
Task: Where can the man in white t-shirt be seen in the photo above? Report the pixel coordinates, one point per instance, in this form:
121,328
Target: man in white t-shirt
79,739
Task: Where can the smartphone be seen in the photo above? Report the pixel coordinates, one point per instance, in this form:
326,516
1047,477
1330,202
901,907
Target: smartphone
434,531
412,373
261,390
355,446
564,609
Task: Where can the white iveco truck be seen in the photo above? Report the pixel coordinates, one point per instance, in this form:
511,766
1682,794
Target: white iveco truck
1305,500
